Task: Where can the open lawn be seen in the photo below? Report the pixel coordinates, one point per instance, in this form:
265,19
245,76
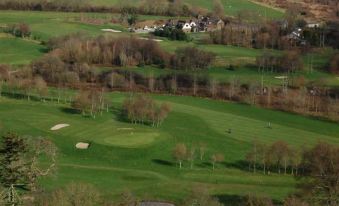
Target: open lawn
16,51
138,157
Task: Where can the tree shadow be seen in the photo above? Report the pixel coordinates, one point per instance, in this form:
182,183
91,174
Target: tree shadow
205,165
231,200
69,110
120,115
163,162
240,164
44,50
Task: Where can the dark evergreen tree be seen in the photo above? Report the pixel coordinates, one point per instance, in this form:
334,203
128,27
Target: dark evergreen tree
13,167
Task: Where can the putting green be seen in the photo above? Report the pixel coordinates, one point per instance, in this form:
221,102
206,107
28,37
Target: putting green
132,139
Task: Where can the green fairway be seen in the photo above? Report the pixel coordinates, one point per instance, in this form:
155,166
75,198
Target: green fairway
138,157
232,7
49,24
131,139
17,51
45,25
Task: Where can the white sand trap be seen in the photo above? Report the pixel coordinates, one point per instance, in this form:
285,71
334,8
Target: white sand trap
281,77
125,128
111,30
157,40
82,145
59,126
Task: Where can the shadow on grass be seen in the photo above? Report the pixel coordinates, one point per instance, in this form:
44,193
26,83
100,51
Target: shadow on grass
231,200
121,116
163,162
205,165
240,164
237,200
44,50
69,110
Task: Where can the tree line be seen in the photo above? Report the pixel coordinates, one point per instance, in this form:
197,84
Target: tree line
288,62
278,157
294,94
316,168
124,51
19,30
183,153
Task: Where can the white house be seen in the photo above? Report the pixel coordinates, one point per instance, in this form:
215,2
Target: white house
313,25
193,24
187,27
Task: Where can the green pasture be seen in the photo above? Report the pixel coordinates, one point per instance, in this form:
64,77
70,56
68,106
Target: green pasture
125,156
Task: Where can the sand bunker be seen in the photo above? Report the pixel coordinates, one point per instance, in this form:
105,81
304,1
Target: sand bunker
281,77
82,145
157,40
59,126
111,30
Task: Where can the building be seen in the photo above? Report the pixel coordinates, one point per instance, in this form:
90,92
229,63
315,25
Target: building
187,27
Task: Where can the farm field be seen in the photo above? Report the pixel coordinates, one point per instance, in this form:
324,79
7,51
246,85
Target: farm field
138,157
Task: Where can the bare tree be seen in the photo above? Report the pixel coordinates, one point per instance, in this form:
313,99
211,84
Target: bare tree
279,151
40,147
191,155
180,153
321,169
293,201
217,158
202,150
74,194
4,76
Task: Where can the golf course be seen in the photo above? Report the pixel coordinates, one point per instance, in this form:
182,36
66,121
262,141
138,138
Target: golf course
138,157
230,98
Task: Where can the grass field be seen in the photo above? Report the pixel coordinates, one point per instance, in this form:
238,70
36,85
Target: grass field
232,7
17,51
138,157
45,25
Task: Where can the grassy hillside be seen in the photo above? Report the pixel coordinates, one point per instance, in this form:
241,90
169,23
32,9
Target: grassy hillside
232,7
138,157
